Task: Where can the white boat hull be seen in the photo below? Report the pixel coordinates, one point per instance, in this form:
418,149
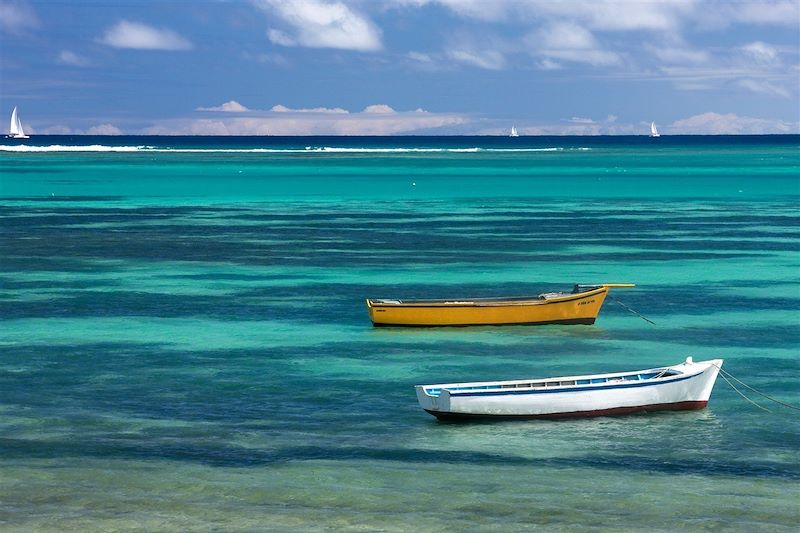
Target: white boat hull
690,389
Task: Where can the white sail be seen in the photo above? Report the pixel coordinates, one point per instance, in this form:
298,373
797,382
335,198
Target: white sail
12,129
15,128
514,132
654,130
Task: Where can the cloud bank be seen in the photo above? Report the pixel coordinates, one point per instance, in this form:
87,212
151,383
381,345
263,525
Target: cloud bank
283,109
104,129
377,119
711,123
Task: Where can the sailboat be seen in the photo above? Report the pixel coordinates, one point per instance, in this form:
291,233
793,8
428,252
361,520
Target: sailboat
514,132
654,130
15,130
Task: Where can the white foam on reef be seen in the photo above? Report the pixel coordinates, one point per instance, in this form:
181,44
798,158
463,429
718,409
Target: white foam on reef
63,148
306,150
332,149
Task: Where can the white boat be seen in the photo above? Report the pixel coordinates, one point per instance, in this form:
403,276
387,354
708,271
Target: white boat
654,130
514,132
15,130
683,386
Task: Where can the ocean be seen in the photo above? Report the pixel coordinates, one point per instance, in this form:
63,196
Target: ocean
184,344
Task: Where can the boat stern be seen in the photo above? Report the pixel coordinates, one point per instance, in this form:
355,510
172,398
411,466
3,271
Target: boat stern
433,400
381,311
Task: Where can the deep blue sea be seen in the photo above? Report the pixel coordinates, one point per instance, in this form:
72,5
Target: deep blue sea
184,344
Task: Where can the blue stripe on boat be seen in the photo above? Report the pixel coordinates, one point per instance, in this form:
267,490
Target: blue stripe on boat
504,392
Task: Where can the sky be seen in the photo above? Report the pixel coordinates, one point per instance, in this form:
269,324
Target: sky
390,67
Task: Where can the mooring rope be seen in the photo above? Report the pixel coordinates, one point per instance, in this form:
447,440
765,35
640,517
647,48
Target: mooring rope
631,310
740,392
725,375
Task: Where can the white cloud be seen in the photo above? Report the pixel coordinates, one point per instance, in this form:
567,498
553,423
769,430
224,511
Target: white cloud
380,109
67,57
483,51
617,15
755,67
680,56
763,87
104,129
322,24
548,64
325,110
279,37
570,42
610,15
566,36
420,57
761,53
17,17
623,15
730,124
779,13
486,58
564,32
378,119
228,107
492,10
429,62
142,37
581,120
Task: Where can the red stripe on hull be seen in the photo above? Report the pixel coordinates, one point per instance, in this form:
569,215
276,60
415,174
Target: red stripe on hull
677,406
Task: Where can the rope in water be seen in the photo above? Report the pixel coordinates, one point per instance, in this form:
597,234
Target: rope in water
631,310
741,393
725,375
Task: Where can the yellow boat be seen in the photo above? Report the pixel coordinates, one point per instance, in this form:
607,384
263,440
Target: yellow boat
580,306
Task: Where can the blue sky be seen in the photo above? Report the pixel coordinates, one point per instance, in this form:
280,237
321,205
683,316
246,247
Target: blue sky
401,66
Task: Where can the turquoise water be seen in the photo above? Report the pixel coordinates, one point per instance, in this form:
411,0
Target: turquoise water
184,344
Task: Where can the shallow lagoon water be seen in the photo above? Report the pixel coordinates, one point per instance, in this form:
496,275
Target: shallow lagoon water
185,344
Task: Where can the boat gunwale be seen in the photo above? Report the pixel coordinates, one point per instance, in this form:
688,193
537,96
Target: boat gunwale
588,387
485,302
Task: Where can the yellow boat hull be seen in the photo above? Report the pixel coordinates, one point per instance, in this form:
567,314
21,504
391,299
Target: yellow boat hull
580,308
